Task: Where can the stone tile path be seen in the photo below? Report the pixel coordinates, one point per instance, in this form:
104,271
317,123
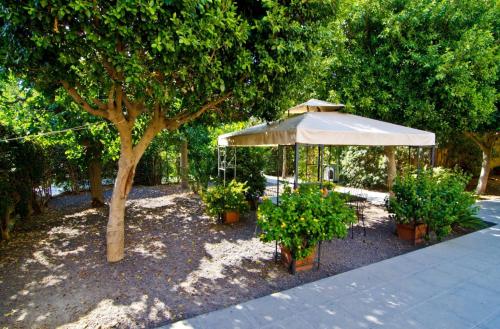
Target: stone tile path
454,284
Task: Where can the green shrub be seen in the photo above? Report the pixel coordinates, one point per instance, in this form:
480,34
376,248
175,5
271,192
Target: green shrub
303,218
249,169
219,198
437,198
364,167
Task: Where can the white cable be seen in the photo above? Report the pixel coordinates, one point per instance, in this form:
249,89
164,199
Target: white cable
52,132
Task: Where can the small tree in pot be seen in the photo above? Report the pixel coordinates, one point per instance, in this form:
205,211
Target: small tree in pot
303,218
410,205
226,202
431,201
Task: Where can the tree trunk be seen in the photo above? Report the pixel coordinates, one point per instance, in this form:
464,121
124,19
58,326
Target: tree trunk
184,165
283,168
4,225
486,142
115,233
482,183
5,220
391,166
95,178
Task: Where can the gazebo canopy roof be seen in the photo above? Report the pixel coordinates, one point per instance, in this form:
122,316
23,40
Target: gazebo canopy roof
328,128
315,105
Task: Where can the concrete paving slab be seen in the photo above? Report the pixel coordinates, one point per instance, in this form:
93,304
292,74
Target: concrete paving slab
471,303
333,316
394,268
492,322
431,315
231,317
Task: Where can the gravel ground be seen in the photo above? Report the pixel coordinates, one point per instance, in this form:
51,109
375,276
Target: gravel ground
178,263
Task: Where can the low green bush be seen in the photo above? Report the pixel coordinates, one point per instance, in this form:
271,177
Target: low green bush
303,218
219,198
249,169
436,198
364,167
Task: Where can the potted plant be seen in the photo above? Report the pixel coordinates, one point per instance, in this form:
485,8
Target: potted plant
226,202
328,187
431,201
409,206
303,218
251,171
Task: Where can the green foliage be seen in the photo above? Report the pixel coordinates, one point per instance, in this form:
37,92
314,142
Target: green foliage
29,113
249,169
219,198
202,155
21,170
250,162
159,161
364,167
436,198
330,186
303,218
426,64
179,54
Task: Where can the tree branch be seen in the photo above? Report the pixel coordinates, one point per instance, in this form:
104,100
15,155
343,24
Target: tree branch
112,72
187,116
80,101
155,126
134,109
484,144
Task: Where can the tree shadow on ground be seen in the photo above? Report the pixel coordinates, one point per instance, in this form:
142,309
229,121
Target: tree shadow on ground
178,264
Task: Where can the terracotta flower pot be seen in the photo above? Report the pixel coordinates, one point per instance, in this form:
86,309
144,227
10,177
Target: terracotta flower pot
304,264
412,232
231,217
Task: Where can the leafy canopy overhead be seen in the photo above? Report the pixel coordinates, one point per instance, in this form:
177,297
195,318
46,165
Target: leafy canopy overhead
177,55
427,64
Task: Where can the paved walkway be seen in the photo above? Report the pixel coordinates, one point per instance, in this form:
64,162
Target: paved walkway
454,284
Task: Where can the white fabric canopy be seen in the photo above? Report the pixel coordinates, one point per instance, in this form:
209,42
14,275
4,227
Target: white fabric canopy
328,128
315,105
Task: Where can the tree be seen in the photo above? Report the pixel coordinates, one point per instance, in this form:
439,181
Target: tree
426,64
167,61
71,153
20,173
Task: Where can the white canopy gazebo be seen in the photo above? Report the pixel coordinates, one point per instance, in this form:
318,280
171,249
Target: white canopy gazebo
318,123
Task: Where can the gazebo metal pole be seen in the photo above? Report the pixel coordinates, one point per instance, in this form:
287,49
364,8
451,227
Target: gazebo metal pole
321,152
433,156
225,165
307,163
296,173
218,162
278,176
319,160
234,162
409,158
418,159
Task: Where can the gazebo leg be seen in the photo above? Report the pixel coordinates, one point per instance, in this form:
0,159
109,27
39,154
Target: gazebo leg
433,156
276,252
319,255
278,176
296,173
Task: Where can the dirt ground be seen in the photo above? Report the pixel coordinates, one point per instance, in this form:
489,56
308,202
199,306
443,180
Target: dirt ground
178,263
